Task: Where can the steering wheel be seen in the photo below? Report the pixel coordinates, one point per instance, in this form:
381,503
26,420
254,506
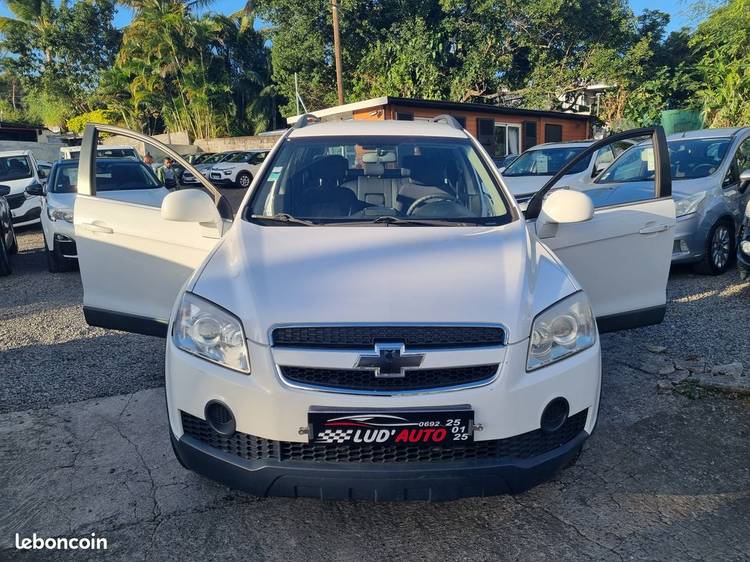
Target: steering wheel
708,167
422,200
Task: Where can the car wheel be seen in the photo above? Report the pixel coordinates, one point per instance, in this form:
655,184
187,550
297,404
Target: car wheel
243,180
53,264
13,249
719,250
5,268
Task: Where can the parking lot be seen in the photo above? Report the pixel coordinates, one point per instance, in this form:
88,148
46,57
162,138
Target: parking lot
85,448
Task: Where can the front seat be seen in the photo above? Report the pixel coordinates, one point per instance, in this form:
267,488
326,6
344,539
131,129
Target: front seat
328,198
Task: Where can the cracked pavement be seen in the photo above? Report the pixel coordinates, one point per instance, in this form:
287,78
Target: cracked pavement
663,477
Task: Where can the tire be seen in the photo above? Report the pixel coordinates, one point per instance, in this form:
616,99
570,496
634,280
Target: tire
719,249
5,268
53,263
243,180
13,249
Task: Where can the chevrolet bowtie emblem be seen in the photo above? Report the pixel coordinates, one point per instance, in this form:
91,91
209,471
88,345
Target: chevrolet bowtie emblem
390,360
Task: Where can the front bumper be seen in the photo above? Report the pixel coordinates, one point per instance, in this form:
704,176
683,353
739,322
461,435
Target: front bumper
689,239
387,482
221,180
267,406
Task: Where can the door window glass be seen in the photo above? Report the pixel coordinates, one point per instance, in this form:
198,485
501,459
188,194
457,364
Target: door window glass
14,168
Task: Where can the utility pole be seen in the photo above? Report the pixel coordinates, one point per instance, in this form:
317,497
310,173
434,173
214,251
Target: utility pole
337,50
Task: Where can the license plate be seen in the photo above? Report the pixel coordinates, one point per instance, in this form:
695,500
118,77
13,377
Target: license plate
425,427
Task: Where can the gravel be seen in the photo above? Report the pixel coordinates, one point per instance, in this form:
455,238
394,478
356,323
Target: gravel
49,355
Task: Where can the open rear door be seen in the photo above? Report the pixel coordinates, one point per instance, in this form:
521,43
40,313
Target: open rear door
622,256
133,262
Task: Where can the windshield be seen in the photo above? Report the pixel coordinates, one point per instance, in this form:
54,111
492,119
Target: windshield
546,162
14,168
110,176
688,159
344,179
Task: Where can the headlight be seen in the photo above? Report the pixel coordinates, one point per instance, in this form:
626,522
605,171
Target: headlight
59,214
565,328
210,332
688,205
227,172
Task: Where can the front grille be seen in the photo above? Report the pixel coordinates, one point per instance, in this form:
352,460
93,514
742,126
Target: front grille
15,200
362,337
250,447
414,379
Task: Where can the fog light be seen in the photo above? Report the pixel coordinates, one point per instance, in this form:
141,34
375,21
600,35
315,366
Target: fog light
220,418
745,247
554,415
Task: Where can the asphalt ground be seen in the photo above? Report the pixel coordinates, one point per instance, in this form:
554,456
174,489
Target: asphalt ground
84,448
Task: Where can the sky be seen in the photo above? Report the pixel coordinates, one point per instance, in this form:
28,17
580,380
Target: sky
678,9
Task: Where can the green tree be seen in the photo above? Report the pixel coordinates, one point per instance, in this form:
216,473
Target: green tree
722,43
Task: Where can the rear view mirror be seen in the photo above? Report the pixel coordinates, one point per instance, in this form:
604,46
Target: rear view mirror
35,189
192,205
4,190
563,206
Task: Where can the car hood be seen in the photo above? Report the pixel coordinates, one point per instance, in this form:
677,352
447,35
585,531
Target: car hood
269,275
626,192
17,186
227,166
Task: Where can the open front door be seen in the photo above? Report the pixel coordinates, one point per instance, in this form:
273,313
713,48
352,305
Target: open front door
133,262
621,257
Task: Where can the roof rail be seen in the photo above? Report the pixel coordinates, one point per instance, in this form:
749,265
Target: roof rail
305,120
448,120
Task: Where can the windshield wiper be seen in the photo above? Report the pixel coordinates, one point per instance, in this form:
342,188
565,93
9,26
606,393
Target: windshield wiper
389,219
283,218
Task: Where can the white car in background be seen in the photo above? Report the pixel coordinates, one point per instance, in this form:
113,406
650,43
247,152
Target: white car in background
390,327
204,167
123,178
103,151
238,170
531,170
19,171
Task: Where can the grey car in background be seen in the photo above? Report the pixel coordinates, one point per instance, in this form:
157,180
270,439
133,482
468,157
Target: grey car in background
709,197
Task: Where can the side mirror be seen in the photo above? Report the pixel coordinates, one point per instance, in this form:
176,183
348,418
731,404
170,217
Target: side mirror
501,169
563,206
744,181
4,190
35,189
192,205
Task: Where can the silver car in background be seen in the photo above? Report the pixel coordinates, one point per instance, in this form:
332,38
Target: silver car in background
710,200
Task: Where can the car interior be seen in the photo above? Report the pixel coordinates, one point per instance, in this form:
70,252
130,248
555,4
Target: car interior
430,181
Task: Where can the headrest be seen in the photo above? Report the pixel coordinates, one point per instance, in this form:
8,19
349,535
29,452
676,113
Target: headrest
332,166
425,171
373,169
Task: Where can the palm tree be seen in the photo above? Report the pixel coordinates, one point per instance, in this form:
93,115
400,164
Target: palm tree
35,17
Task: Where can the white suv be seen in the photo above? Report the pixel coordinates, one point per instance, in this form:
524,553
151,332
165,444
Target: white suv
238,170
379,320
19,171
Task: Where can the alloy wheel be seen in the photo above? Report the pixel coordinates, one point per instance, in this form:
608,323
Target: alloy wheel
720,246
244,181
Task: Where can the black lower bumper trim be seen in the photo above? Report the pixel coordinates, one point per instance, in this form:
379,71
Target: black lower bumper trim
331,481
634,319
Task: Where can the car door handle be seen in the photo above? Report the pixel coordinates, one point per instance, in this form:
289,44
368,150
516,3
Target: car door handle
654,228
97,227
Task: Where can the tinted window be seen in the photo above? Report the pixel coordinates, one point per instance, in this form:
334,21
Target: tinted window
689,159
343,179
110,176
14,168
546,162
